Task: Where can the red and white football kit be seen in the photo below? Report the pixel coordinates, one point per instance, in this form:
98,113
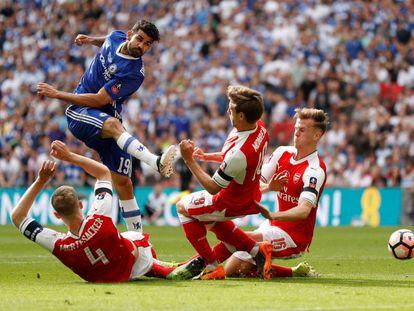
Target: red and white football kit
99,253
306,180
238,175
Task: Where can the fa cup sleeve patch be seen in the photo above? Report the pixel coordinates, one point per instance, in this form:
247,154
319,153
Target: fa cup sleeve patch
116,88
312,182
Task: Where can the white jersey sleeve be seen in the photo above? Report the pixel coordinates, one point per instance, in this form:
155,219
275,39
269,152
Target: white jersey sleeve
34,231
102,205
313,179
233,167
270,166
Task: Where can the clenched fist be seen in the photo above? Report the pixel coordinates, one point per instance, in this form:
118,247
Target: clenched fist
187,149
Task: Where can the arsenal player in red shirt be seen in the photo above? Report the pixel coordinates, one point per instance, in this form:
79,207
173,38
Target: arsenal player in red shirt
93,248
231,192
298,174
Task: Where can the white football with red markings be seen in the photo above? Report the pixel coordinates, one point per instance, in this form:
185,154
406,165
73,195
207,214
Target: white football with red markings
401,244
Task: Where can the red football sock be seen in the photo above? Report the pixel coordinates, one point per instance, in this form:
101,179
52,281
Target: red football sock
280,272
159,271
196,234
221,252
227,232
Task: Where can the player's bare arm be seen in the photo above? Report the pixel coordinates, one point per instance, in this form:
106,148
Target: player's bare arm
25,203
200,155
97,100
61,151
299,212
187,150
276,183
82,39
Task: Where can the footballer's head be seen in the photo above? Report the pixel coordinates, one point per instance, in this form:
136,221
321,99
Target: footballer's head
141,37
245,105
310,125
65,202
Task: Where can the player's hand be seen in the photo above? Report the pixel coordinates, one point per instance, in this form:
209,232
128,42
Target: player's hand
278,181
199,154
44,89
46,171
186,149
82,39
61,151
265,212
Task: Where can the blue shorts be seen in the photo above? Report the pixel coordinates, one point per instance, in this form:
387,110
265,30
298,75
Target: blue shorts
86,125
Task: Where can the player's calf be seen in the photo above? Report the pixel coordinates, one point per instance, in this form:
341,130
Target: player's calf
112,128
160,270
129,207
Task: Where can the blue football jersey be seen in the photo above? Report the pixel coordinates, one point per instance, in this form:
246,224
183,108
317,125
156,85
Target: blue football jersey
121,75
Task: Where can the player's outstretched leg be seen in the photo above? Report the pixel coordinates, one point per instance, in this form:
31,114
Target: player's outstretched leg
112,128
160,270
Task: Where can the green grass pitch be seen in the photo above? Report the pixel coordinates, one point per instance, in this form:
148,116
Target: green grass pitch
357,271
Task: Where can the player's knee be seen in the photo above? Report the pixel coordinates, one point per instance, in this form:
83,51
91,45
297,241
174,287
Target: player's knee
112,127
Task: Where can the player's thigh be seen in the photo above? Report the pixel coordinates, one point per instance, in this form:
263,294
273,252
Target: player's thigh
112,128
240,258
236,267
199,205
117,160
86,124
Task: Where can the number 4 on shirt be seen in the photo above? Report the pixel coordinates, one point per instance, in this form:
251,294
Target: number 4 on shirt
100,256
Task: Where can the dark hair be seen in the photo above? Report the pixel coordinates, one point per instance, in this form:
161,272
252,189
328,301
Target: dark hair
149,28
248,101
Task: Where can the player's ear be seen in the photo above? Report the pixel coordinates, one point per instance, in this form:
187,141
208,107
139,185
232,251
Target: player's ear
318,134
57,215
129,35
80,204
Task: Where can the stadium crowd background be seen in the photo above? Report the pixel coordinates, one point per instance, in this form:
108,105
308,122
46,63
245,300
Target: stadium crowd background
354,59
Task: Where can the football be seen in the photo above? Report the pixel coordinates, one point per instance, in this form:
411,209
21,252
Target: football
401,244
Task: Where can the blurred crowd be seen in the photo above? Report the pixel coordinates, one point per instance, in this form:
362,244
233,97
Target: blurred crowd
354,59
